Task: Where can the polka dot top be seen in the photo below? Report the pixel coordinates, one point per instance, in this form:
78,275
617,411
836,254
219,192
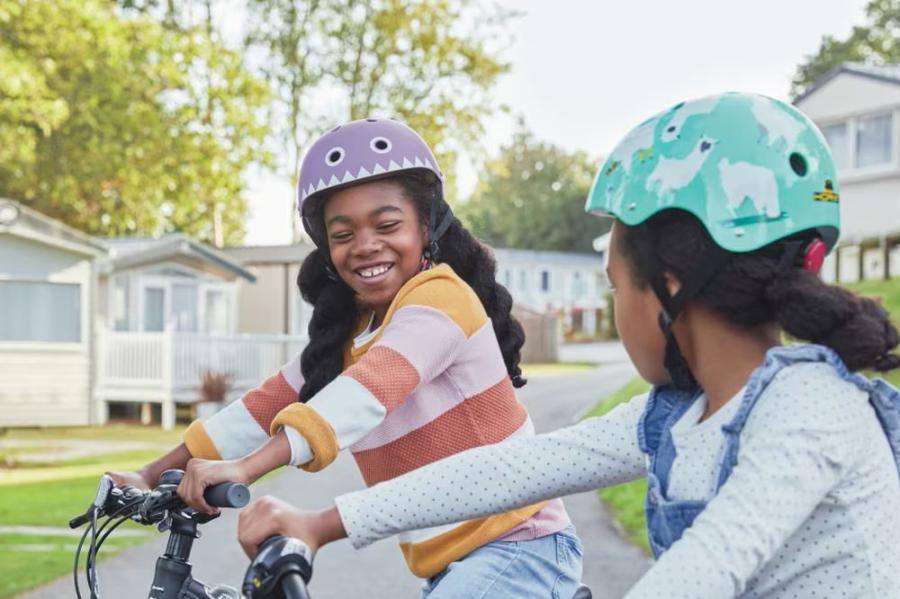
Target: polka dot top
810,510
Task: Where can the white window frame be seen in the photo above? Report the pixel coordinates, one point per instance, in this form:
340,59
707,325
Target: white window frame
84,284
202,284
851,172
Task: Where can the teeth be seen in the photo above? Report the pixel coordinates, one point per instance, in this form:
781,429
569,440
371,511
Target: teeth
348,176
378,169
429,165
334,180
363,172
407,163
368,273
312,189
393,166
321,185
419,161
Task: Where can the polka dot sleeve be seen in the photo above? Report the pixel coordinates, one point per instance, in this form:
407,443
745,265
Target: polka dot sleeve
805,434
496,478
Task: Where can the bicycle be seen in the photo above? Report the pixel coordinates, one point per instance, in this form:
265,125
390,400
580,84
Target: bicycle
281,569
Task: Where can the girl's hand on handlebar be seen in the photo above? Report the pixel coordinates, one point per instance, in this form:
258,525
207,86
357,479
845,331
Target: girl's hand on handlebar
200,474
269,516
139,480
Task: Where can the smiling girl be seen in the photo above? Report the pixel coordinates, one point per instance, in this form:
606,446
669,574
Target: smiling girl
413,356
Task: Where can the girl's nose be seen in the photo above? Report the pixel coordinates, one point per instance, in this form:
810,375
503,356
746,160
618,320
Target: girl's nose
366,243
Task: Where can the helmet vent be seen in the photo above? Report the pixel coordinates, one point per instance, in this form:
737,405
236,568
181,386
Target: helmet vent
798,164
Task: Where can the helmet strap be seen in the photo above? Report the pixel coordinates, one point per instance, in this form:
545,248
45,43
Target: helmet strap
712,261
435,232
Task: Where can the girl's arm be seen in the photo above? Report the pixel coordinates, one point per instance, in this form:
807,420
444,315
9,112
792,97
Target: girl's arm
805,433
597,452
234,432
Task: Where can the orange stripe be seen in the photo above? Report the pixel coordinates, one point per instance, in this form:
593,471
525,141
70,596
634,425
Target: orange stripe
429,557
386,374
198,443
488,417
268,399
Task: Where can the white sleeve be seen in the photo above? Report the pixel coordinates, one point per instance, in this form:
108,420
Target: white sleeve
497,478
805,433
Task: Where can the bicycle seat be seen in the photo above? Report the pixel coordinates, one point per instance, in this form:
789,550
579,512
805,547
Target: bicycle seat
583,592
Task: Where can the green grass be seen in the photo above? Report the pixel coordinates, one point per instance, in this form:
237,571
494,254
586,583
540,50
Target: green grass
109,432
555,369
49,494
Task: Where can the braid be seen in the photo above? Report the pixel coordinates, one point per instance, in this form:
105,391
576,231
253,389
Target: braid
331,325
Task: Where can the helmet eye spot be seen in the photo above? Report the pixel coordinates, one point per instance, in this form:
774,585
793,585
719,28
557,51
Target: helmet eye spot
334,156
798,164
381,145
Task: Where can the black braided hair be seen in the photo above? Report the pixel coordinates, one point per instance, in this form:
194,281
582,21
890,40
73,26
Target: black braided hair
754,288
335,312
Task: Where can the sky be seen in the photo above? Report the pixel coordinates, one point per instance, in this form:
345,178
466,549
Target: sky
585,72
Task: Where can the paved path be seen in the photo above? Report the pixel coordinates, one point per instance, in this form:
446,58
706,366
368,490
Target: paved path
611,565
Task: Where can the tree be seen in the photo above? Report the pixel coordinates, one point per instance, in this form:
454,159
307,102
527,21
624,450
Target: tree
430,63
118,125
875,42
532,197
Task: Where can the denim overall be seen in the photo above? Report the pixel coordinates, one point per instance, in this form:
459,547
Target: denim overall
668,519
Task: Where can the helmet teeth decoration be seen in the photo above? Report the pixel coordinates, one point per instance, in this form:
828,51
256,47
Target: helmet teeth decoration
750,168
359,151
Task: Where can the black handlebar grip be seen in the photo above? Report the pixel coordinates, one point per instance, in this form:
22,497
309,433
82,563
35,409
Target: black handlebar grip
227,495
292,586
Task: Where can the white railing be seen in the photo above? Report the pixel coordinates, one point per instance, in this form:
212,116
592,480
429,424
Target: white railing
168,367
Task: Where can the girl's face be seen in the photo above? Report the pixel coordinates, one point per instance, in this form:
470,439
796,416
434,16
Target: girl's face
636,310
375,239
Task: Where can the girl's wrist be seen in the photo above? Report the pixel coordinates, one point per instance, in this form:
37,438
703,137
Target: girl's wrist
276,452
328,527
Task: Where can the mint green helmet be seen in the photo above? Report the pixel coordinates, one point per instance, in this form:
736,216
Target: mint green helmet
752,169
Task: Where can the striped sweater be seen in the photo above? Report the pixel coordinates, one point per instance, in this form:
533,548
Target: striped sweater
429,383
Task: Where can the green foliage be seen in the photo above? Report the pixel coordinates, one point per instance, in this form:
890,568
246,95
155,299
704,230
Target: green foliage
532,196
119,126
875,42
429,63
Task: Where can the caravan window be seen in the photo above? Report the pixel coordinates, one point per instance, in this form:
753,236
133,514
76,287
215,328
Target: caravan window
43,312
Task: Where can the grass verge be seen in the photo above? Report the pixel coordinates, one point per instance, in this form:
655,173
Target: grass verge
49,493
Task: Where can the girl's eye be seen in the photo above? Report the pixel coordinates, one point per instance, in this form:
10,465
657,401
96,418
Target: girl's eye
390,226
341,236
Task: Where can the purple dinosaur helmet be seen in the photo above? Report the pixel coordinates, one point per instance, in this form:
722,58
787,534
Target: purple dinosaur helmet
360,151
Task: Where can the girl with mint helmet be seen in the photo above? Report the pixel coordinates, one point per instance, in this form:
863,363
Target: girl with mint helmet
752,170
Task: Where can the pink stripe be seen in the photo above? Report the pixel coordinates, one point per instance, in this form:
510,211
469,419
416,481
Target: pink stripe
422,406
480,365
551,519
292,374
426,337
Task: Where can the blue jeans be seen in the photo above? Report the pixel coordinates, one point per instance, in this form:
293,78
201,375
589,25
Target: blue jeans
545,567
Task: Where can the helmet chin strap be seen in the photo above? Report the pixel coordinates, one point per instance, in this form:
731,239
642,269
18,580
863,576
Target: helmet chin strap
436,231
672,305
